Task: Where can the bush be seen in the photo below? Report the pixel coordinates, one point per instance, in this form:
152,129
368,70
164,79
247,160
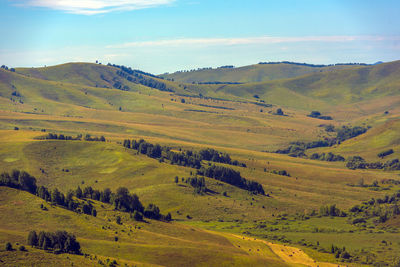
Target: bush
22,248
385,153
137,216
358,220
9,246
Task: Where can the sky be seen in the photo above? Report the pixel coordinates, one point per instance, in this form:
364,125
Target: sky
168,35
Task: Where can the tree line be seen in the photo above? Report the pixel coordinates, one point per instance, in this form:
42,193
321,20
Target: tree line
188,158
122,200
298,148
357,162
327,157
6,68
385,153
88,137
231,177
381,208
318,115
132,71
198,183
139,77
193,159
24,181
311,65
331,210
59,241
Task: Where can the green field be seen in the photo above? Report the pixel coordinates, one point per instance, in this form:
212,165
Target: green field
226,226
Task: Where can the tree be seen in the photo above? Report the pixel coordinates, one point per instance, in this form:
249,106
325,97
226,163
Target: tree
27,182
88,192
9,246
71,245
176,179
88,137
32,239
127,143
105,196
56,197
41,238
87,209
137,216
43,193
46,243
315,114
78,192
168,218
279,111
118,220
152,212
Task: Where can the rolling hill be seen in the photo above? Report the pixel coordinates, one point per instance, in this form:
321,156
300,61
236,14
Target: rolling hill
250,74
226,225
323,89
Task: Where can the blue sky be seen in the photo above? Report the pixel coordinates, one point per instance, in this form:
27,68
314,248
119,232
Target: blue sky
167,35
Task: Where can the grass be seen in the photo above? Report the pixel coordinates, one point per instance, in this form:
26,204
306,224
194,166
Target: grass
154,243
248,74
71,99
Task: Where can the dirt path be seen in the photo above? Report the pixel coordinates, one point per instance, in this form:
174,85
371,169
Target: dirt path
290,254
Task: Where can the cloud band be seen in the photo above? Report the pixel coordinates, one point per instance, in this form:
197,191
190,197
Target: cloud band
92,7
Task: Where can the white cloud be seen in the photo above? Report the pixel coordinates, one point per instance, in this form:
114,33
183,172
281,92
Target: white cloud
92,7
251,40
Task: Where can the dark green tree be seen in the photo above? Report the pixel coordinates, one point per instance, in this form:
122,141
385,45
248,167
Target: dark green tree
9,246
137,216
78,192
279,111
32,239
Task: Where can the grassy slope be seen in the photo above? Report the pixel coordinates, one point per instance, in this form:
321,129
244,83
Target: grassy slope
166,244
242,130
380,138
248,74
333,87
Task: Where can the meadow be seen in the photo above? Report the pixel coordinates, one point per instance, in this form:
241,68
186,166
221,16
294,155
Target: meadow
226,226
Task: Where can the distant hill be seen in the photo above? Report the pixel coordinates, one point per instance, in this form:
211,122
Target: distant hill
254,73
97,75
212,227
320,89
332,87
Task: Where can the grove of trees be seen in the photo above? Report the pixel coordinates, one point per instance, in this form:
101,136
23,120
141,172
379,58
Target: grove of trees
59,241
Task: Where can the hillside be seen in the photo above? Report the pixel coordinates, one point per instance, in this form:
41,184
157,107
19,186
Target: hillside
321,90
217,225
139,243
250,74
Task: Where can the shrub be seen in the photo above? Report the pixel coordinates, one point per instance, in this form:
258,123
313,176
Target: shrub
9,246
279,111
385,153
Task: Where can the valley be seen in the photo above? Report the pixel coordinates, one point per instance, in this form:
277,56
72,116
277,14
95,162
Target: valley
307,216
